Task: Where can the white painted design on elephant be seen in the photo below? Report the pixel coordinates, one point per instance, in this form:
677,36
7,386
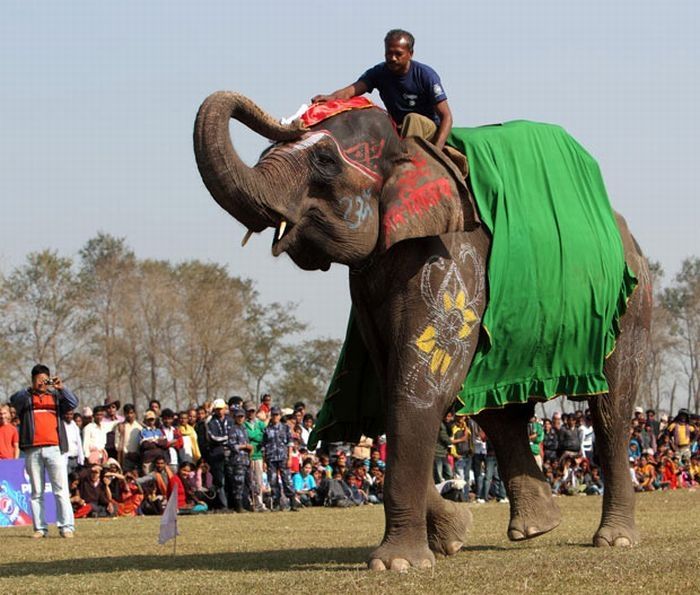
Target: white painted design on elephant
445,339
357,209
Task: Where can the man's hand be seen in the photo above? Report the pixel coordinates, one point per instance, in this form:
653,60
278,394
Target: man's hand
321,98
57,383
357,88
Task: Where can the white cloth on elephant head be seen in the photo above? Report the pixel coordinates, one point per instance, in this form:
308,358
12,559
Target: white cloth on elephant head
297,114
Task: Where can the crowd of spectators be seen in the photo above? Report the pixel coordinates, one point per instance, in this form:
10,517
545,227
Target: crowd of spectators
220,456
663,454
245,456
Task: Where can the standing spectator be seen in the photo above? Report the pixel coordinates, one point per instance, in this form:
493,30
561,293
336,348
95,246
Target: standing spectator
9,437
462,451
173,439
479,459
587,438
569,441
95,437
128,440
154,405
111,419
86,416
362,449
218,432
682,434
151,442
277,445
200,427
240,457
550,442
74,454
307,426
653,422
536,436
648,438
492,476
190,448
42,438
441,466
255,429
266,405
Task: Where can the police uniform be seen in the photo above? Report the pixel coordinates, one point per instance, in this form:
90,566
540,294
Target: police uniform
276,441
240,461
218,456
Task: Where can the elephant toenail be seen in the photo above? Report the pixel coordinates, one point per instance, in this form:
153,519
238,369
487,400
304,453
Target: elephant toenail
399,565
622,542
376,564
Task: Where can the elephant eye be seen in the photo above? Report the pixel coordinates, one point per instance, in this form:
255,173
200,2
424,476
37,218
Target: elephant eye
324,165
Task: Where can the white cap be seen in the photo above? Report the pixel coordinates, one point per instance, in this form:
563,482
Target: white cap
219,404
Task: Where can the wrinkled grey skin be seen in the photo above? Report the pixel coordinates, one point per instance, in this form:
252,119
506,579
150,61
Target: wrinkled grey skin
404,259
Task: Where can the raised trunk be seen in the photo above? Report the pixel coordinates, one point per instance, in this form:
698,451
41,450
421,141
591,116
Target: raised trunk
242,191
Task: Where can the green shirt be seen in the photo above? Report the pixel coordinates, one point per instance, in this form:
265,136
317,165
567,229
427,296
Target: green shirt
255,431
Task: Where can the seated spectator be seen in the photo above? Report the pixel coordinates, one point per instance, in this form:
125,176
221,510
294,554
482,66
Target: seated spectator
130,495
669,475
81,509
594,486
376,489
204,482
361,450
374,460
94,489
304,484
694,469
646,475
187,499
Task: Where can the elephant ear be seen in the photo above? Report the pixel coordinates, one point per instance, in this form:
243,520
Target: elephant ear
425,195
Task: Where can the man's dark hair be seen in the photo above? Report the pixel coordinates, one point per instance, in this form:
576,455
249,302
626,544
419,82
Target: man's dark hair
128,408
397,34
40,369
299,405
262,398
235,400
156,401
159,458
98,409
167,413
307,417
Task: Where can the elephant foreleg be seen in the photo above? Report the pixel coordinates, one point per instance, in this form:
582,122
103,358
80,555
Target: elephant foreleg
410,444
533,511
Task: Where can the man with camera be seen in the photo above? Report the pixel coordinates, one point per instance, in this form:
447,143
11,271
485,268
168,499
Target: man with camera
42,438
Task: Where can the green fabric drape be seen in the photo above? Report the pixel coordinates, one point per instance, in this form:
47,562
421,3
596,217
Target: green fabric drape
557,277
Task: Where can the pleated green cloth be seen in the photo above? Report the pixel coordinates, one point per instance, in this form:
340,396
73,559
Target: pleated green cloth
557,281
557,278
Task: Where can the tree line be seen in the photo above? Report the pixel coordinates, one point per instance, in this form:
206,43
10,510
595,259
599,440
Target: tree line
112,324
672,373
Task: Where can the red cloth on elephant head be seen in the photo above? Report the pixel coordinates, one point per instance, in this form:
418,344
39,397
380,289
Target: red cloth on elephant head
319,112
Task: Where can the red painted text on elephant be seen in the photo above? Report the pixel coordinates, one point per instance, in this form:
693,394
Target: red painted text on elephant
417,193
367,154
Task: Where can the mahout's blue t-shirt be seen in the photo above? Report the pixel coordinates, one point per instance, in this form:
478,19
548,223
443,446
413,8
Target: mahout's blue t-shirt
419,90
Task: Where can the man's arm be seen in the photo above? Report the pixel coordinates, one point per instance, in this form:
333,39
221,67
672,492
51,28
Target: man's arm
445,114
356,88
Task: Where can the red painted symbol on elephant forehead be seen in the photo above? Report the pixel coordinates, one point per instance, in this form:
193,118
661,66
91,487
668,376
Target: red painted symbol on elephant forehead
367,153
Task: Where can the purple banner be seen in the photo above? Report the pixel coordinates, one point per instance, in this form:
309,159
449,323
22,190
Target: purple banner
15,494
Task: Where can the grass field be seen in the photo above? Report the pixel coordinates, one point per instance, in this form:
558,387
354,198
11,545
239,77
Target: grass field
324,550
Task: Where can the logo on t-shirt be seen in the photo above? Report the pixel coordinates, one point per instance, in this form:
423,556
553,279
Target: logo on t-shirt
410,99
437,90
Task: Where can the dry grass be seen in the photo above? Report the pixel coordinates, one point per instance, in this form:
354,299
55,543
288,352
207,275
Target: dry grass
324,550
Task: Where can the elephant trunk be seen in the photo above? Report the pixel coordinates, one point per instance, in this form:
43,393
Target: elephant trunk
244,192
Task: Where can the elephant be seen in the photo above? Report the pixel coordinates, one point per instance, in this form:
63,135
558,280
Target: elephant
331,192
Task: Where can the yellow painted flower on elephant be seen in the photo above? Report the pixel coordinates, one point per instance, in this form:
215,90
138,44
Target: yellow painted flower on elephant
432,340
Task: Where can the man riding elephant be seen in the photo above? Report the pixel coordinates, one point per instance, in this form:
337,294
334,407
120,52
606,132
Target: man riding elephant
412,93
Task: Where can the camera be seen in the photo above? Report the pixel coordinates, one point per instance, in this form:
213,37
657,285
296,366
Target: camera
50,381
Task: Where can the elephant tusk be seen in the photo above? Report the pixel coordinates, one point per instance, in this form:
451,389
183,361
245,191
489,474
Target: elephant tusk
248,233
283,226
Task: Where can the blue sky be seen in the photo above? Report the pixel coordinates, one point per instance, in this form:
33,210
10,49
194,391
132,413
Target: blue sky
98,102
